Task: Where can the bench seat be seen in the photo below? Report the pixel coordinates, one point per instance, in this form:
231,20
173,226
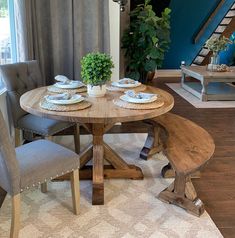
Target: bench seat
188,148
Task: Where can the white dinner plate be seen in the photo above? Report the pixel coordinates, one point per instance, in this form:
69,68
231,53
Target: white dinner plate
70,85
76,98
129,85
137,100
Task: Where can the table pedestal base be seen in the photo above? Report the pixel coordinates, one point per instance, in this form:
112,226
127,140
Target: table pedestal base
110,172
97,152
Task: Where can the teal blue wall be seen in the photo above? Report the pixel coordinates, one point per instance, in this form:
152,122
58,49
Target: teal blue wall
227,57
186,20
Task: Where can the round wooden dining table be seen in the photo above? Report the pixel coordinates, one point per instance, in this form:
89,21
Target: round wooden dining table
98,119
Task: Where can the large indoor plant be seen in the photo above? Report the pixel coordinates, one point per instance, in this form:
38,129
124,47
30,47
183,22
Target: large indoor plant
96,71
146,40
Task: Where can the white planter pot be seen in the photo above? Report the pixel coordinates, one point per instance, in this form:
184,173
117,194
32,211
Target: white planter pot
96,91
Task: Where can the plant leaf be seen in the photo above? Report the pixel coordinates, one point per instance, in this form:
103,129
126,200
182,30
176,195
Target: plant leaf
150,65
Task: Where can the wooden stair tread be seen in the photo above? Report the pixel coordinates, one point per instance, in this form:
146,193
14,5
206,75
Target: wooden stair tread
224,28
226,21
189,146
231,13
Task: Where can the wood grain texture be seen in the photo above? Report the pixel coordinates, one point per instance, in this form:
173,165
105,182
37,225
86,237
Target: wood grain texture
126,127
216,185
153,144
114,159
15,219
86,155
133,172
98,164
97,120
189,146
183,199
102,110
75,189
167,73
77,138
168,172
200,72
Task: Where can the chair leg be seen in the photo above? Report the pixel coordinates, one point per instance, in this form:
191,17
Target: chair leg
44,187
15,220
75,187
3,195
77,138
17,137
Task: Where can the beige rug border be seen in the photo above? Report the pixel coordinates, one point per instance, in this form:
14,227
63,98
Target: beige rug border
196,102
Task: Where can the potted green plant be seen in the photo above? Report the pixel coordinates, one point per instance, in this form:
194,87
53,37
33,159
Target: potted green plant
216,45
146,41
96,71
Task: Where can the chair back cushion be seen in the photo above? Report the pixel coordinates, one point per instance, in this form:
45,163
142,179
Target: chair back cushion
9,166
20,78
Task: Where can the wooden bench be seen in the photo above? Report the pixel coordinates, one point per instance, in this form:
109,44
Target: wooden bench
188,148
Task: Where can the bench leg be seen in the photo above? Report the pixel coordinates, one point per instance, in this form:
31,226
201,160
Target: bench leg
153,143
182,193
168,172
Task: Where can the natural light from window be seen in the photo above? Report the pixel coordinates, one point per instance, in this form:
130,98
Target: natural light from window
5,34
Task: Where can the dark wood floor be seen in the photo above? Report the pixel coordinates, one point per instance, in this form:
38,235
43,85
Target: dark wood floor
216,187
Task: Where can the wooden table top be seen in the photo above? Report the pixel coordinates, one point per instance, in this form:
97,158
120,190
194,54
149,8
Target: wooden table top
202,71
102,110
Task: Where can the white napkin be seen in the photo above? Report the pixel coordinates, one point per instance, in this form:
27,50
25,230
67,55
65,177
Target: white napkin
133,94
62,78
126,81
61,96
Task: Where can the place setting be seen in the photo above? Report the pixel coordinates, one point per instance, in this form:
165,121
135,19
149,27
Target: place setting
139,100
125,84
64,102
65,85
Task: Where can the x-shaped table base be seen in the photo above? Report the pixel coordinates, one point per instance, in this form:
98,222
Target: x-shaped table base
98,151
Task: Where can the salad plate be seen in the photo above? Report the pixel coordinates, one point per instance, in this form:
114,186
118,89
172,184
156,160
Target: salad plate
126,83
64,99
69,84
137,100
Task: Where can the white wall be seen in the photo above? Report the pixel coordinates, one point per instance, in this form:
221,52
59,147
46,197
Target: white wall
118,23
114,18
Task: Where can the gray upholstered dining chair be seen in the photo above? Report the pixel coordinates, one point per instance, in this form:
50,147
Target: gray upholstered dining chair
20,78
33,164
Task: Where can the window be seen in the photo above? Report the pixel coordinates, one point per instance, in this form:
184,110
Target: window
7,33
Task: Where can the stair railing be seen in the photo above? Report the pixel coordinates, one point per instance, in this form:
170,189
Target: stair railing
207,23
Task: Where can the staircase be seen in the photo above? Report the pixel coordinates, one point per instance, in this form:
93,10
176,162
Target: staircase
225,28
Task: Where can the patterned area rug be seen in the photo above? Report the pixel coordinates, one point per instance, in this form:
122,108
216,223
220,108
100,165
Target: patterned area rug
130,211
196,102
